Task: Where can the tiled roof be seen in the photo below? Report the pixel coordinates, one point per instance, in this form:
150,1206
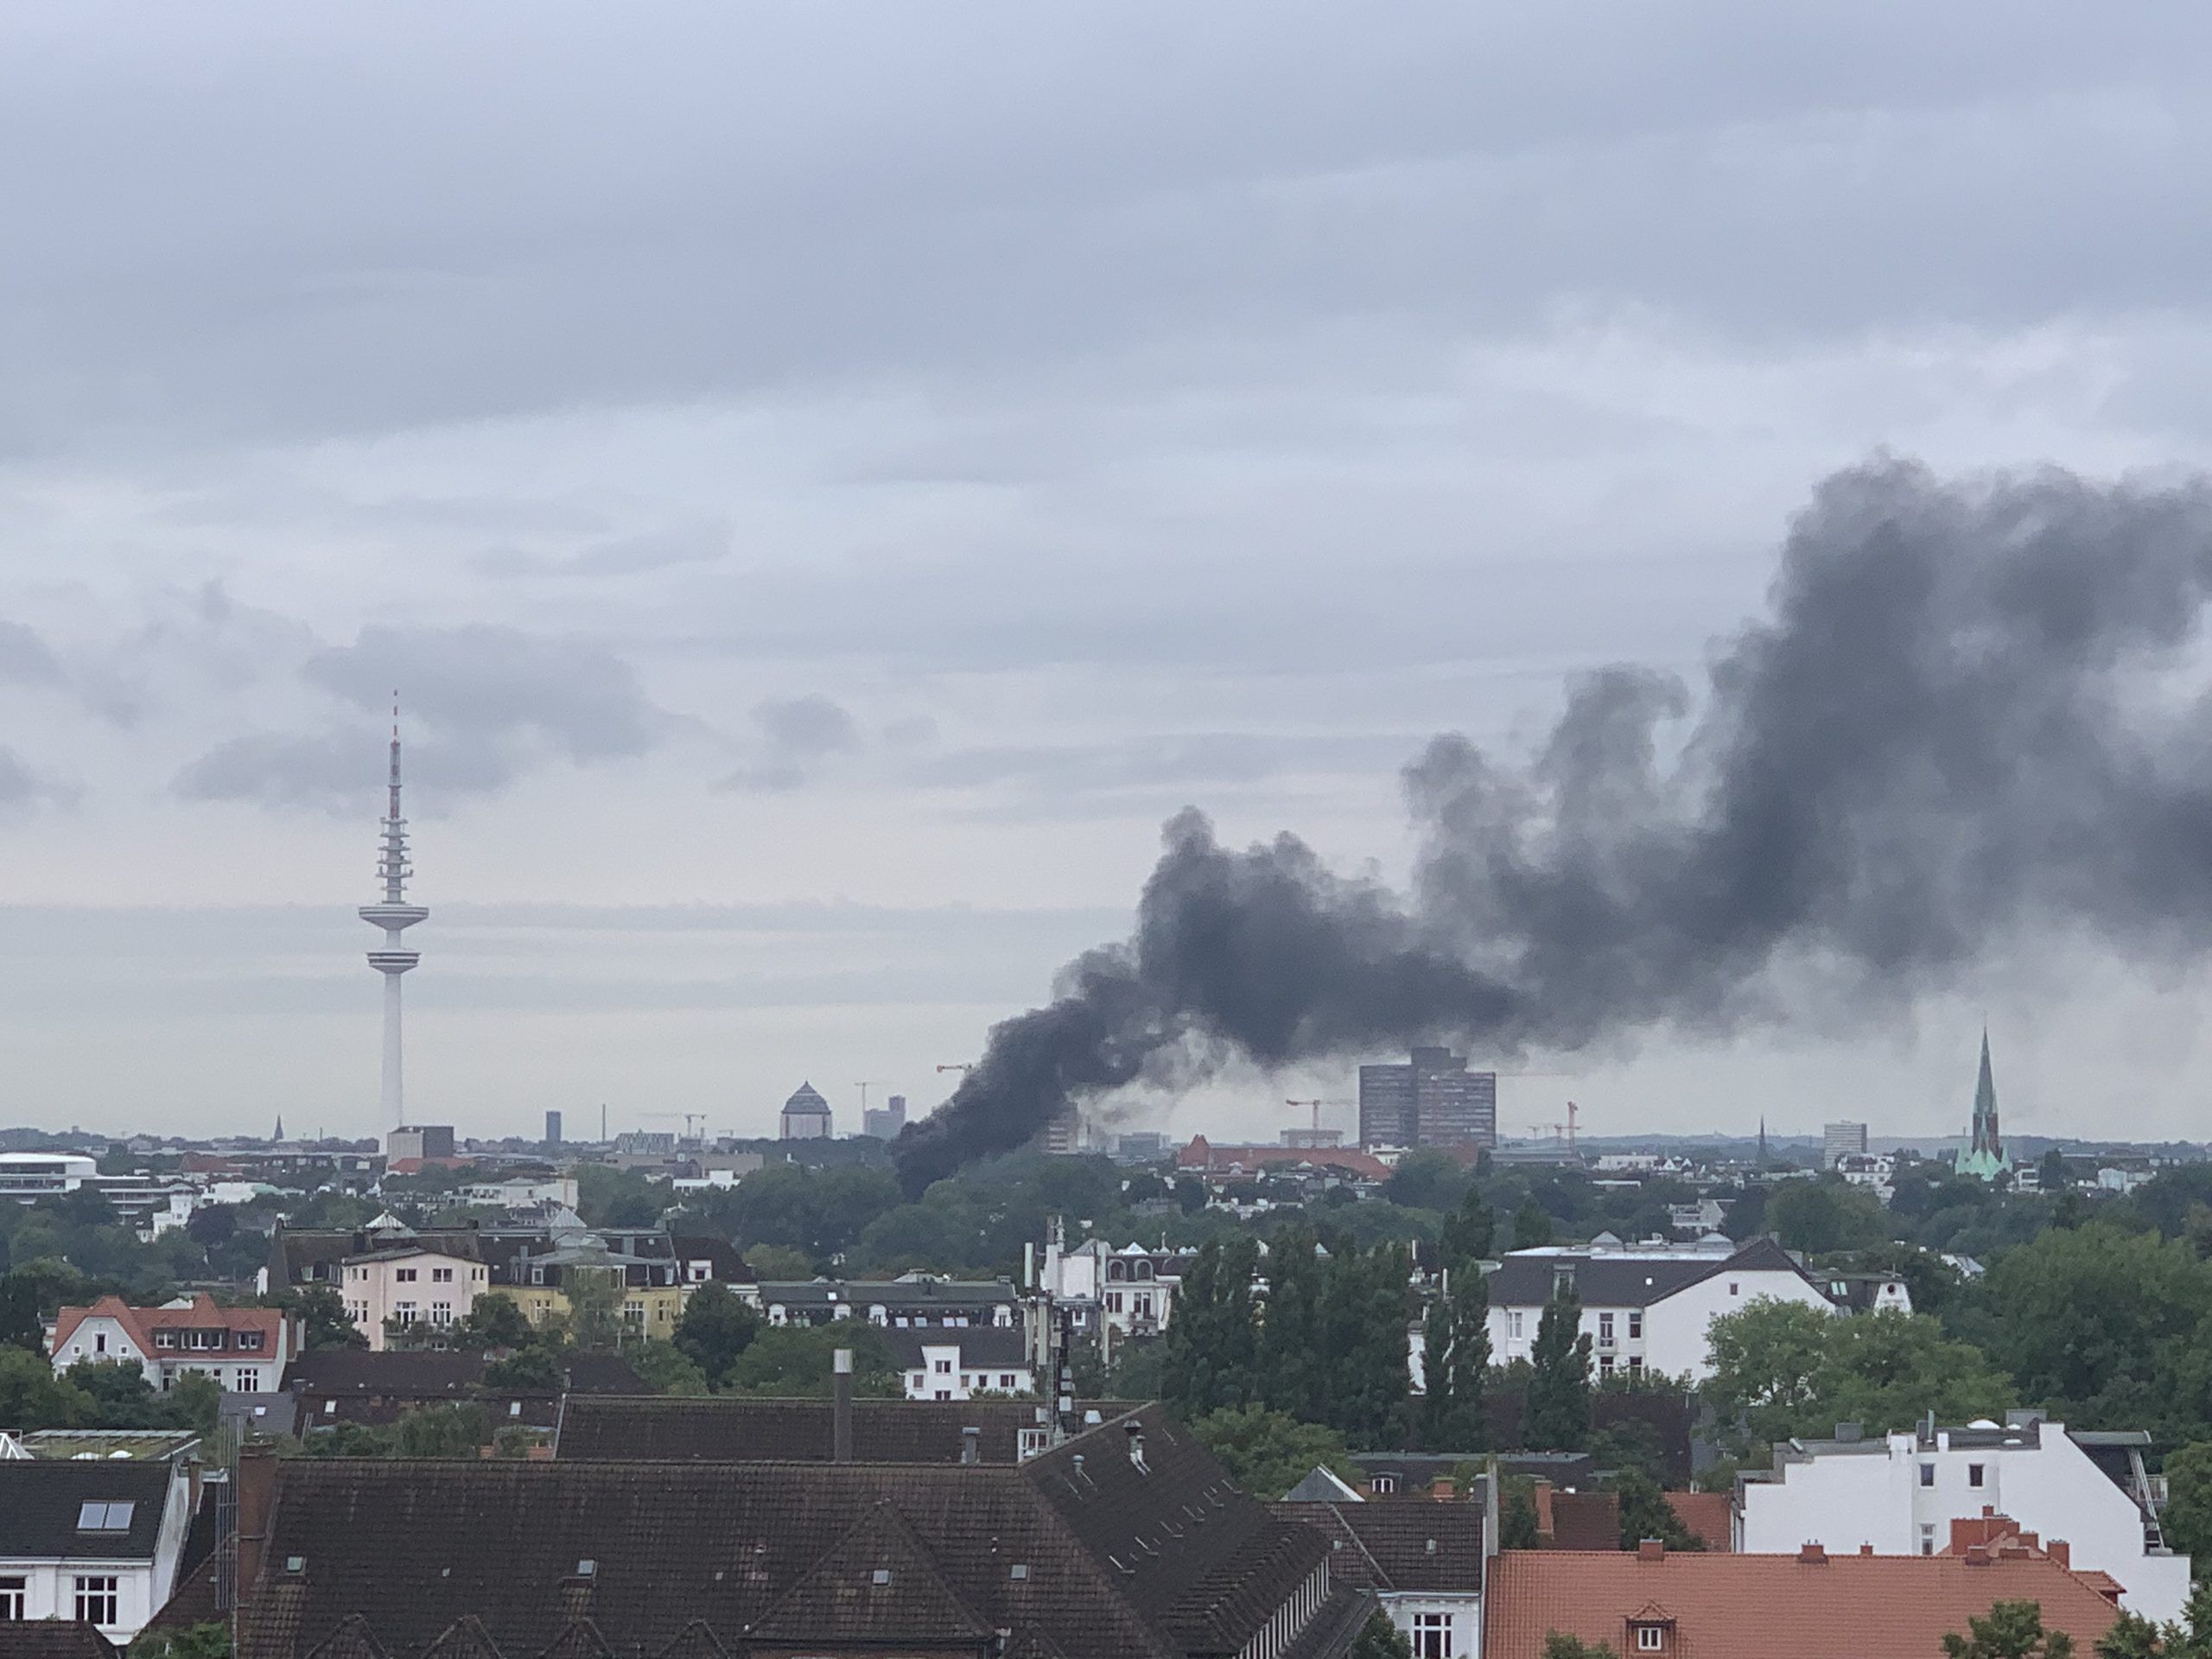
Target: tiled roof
52,1638
981,1345
1585,1521
1709,1515
1404,1546
205,1313
666,1429
40,1504
1756,1606
1114,1559
893,1294
436,1374
1627,1280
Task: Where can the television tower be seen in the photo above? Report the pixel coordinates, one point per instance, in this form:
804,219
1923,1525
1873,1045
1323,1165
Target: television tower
393,915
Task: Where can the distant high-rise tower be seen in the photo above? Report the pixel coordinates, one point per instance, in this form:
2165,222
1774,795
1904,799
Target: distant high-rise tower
393,915
552,1128
1431,1101
1985,1156
279,1134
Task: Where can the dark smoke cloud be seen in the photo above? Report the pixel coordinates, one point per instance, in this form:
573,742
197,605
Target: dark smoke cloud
1975,709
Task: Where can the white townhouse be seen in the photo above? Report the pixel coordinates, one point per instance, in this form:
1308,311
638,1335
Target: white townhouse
1646,1306
96,1541
1900,1493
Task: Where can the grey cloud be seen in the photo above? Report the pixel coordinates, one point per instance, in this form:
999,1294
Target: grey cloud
972,197
26,659
23,788
483,704
628,555
796,735
1160,760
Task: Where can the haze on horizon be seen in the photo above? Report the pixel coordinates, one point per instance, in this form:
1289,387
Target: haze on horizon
830,484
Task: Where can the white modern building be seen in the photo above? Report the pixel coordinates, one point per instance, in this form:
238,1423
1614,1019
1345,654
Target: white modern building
1646,1306
94,1540
1129,1292
29,1176
962,1363
1841,1140
1899,1494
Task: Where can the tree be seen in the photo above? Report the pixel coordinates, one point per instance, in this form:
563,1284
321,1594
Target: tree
1366,1307
791,1361
1532,1226
461,1430
775,1264
662,1367
1268,1452
1380,1639
323,1317
495,1322
20,1324
212,1224
1426,1180
2052,1175
594,1297
1293,1365
525,1371
1470,1232
1645,1513
607,1197
211,1640
1559,1646
1213,1354
717,1327
32,1396
1516,1513
2186,1516
1557,1413
2013,1630
1455,1361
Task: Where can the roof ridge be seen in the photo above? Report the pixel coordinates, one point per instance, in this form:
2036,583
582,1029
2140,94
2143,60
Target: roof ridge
883,1516
1360,1544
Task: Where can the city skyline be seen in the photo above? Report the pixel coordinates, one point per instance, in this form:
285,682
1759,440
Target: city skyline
854,621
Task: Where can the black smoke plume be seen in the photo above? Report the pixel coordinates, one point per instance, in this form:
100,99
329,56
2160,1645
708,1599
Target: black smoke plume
1975,709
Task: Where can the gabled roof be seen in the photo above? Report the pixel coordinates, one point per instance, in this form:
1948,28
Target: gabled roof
437,1374
1155,1562
41,1502
1628,1279
1400,1547
1322,1485
980,1346
879,1584
1741,1606
732,1429
52,1638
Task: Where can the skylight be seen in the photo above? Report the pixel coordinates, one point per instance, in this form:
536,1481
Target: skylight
105,1518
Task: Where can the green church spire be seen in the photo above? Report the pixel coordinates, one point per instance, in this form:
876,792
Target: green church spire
1985,1156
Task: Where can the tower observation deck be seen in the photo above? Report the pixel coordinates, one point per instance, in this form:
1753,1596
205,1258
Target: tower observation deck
394,915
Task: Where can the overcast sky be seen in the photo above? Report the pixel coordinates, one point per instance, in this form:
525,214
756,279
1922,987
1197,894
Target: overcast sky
830,479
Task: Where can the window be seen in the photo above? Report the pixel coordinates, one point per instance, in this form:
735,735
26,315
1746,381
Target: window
1384,1484
12,1599
247,1380
1651,1638
1431,1636
1735,1288
967,1381
100,1516
1636,1328
164,1338
1006,1380
404,1313
1513,1325
634,1311
1636,1362
1973,1474
204,1339
944,1394
100,1342
96,1600
441,1312
1928,1474
442,1276
1029,1442
1113,1301
1605,1363
1604,1330
249,1339
1927,1539
405,1276
943,1368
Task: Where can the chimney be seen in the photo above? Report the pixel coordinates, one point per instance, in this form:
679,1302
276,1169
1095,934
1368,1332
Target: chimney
971,1445
1135,1434
1978,1555
257,1507
1866,1549
1814,1555
1442,1489
1652,1549
840,1406
2060,1551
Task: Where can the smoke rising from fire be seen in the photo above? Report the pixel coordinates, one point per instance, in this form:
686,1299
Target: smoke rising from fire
1973,711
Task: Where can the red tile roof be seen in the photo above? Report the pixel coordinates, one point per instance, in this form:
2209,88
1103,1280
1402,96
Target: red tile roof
1756,1606
1709,1515
204,1313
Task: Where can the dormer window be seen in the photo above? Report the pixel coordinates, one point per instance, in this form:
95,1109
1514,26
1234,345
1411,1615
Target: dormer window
1651,1638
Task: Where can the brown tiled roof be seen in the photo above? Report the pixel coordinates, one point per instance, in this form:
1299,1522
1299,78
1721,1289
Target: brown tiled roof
1709,1516
1168,1558
1402,1547
1755,1606
52,1638
1585,1521
667,1428
878,1577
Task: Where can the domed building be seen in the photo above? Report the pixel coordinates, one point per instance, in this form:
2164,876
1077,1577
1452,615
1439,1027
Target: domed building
806,1114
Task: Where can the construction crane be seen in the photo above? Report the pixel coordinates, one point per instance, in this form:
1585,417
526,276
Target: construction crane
958,1065
864,1085
690,1121
1560,1131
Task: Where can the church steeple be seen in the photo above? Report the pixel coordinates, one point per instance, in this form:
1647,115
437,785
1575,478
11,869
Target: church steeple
1985,1155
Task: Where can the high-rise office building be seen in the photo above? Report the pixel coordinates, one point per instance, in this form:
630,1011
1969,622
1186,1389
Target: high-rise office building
552,1128
1841,1140
1432,1100
883,1122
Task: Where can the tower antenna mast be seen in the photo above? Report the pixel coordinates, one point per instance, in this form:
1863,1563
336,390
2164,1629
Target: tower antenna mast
394,915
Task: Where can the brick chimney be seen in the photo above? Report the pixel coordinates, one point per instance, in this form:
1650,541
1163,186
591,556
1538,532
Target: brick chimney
2060,1551
256,1501
840,1406
1443,1490
1813,1554
1652,1549
1978,1555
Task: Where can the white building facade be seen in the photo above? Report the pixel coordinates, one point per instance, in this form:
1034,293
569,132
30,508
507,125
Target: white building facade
959,1365
94,1541
408,1286
1901,1492
1648,1306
